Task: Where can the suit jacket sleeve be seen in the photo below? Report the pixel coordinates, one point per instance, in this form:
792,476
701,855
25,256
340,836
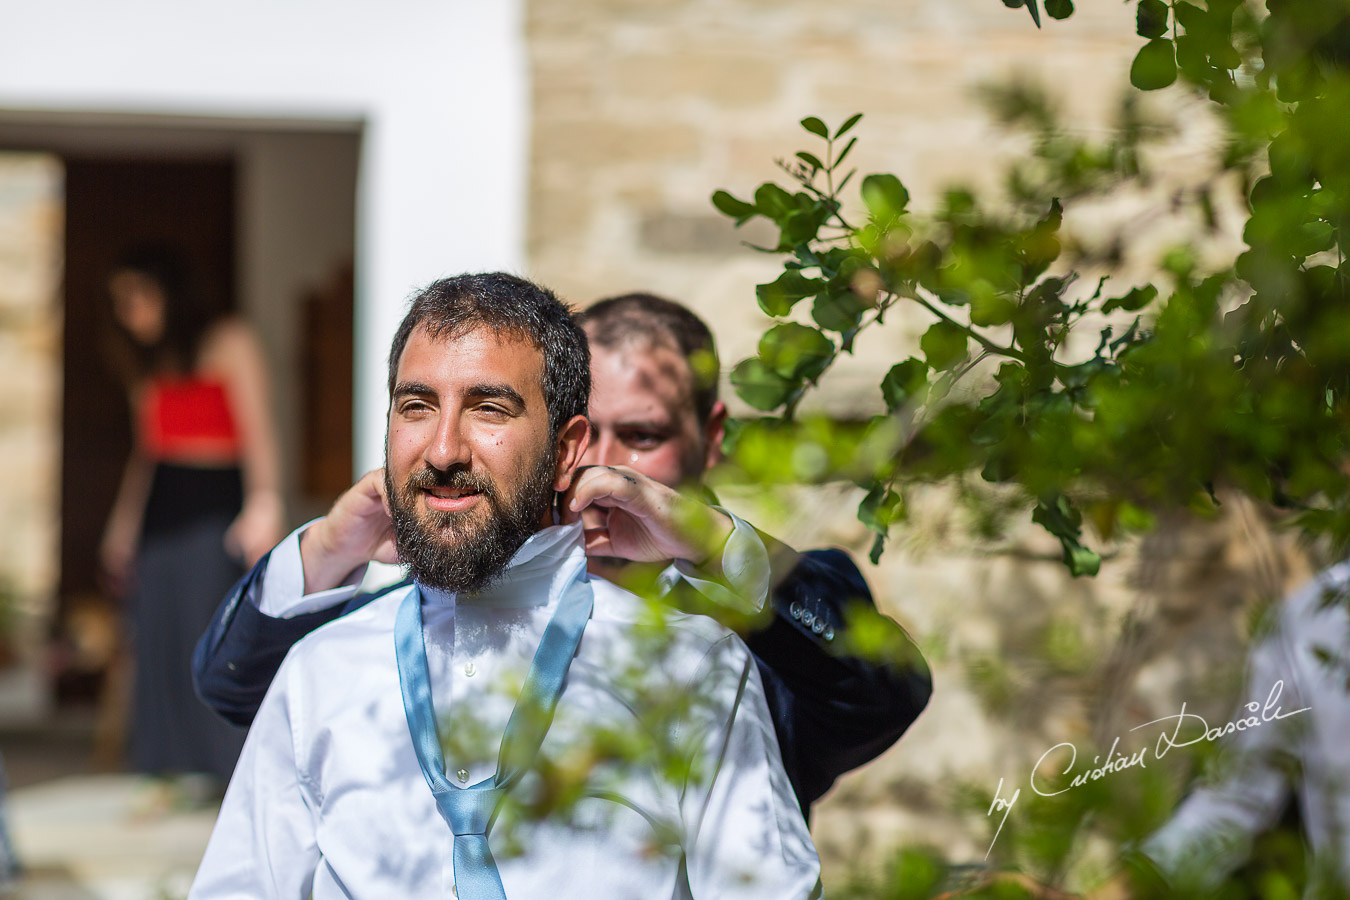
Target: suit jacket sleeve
832,711
239,655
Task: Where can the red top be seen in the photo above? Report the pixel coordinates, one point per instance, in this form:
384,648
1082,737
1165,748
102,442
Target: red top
187,418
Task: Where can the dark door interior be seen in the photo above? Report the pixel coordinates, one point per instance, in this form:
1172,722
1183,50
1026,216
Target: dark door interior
111,206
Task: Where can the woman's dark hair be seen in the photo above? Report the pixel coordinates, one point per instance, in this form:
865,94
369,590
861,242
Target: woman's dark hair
186,317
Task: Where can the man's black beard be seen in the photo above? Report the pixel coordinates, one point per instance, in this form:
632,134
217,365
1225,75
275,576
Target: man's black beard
444,549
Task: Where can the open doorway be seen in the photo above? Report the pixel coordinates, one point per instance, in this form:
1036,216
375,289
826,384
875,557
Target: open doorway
266,218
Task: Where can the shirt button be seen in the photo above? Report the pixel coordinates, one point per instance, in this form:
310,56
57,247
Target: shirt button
462,775
469,670
454,891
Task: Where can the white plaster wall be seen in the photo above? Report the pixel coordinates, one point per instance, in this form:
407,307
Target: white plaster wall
440,86
296,209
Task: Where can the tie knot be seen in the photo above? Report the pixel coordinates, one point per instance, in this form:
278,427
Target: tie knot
468,810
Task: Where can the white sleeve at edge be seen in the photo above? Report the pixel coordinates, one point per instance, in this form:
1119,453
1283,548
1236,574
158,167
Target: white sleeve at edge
264,844
283,585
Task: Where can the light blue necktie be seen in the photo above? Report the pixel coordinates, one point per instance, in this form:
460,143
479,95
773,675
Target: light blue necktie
470,810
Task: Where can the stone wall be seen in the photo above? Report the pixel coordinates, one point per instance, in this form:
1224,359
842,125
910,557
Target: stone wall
31,230
642,109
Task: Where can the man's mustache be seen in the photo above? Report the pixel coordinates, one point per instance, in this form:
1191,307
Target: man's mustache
457,478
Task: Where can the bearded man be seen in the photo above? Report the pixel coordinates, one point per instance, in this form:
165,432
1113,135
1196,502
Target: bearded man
656,426
386,748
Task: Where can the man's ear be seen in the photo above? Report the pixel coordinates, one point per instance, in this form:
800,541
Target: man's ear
714,430
573,439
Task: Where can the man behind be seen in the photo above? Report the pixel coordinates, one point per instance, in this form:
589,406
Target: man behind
657,424
332,797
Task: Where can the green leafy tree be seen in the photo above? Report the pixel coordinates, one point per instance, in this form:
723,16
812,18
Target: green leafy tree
1258,351
1100,403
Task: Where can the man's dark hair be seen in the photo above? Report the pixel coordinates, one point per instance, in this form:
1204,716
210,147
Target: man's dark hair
617,320
507,305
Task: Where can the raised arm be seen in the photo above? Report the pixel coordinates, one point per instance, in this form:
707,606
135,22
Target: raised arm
232,349
237,658
832,711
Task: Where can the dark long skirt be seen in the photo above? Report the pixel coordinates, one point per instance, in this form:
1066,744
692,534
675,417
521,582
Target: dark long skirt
182,573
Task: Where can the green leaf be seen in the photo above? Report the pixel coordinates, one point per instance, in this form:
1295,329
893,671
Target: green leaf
989,309
1151,18
944,344
1193,18
838,160
778,296
799,227
810,159
885,196
816,127
1191,58
1059,9
1031,8
838,310
737,209
880,508
1081,560
773,201
905,381
1057,515
796,352
1155,66
848,123
760,386
878,544
1136,299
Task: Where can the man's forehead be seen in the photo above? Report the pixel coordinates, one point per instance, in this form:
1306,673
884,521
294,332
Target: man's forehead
476,344
639,377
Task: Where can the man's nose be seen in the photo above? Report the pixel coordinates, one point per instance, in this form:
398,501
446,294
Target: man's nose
447,446
603,451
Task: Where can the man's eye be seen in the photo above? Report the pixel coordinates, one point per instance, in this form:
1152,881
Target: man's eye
413,407
643,440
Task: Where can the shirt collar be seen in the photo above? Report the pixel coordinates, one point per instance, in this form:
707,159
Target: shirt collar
534,575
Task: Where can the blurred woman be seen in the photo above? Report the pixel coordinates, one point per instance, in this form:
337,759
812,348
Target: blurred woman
198,501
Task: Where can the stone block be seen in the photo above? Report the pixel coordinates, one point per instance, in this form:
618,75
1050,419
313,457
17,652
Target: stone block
593,143
667,232
559,217
732,80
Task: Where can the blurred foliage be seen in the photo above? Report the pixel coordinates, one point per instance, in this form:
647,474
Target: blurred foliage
1099,404
1236,378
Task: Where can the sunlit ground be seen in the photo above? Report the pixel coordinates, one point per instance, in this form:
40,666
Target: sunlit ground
87,836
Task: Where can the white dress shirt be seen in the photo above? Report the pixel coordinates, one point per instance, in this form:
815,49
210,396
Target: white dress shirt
743,585
1211,832
328,799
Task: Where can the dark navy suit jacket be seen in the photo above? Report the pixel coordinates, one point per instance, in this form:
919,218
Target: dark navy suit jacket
832,712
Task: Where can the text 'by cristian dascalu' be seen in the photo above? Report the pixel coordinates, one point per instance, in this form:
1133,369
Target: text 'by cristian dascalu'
1258,715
